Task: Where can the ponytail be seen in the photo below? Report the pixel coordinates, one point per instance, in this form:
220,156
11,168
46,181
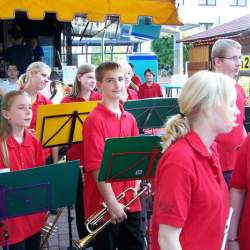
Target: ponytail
176,127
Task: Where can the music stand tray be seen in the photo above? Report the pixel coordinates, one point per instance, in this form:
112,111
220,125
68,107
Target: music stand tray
61,124
152,112
38,189
130,158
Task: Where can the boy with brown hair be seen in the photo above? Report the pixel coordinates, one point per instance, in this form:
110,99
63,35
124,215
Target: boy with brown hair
108,120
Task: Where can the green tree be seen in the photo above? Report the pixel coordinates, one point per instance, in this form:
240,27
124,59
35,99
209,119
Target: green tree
164,49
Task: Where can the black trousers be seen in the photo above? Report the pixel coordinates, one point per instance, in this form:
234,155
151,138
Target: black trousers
127,235
31,243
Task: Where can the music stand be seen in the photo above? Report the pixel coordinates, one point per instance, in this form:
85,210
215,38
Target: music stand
247,118
152,112
38,189
130,158
61,124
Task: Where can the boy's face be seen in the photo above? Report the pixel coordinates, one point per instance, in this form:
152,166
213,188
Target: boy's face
230,63
12,72
112,85
149,77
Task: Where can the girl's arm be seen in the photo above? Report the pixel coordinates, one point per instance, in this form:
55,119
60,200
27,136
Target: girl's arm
168,237
134,86
237,199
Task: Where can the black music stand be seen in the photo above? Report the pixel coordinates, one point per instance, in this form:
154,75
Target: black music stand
61,124
130,158
152,112
37,190
247,118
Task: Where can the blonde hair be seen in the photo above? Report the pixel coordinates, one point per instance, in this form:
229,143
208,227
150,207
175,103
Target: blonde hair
33,67
83,69
203,91
221,46
127,68
5,128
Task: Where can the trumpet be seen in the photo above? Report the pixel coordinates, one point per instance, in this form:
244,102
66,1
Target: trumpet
95,219
50,228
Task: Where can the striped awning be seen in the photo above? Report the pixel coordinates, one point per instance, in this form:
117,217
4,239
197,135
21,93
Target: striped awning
161,11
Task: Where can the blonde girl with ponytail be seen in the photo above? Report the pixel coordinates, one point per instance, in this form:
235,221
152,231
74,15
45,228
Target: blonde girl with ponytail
191,198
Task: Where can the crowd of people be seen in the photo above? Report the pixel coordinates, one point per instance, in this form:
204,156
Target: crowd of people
202,173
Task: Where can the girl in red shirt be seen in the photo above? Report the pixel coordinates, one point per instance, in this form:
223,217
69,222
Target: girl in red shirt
191,199
128,93
34,80
19,150
83,90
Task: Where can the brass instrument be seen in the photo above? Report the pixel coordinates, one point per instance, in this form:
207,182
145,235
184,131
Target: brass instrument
96,218
50,228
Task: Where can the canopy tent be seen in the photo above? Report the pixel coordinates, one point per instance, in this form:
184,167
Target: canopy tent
161,11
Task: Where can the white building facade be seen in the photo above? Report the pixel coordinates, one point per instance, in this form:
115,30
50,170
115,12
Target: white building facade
209,13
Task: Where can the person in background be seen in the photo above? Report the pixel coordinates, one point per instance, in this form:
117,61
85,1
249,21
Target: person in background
149,89
19,54
191,196
128,93
109,120
37,49
226,58
11,83
20,150
136,80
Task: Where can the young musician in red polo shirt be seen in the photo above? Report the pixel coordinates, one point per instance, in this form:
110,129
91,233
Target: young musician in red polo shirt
239,200
149,89
191,198
226,58
35,79
128,93
82,91
108,120
20,150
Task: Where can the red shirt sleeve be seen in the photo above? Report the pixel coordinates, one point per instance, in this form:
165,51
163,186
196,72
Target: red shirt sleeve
173,209
239,177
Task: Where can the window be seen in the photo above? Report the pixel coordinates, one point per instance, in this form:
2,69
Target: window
241,3
207,2
205,26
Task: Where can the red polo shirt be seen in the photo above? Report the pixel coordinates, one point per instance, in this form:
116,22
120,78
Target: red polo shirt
241,180
94,96
191,194
100,125
40,100
75,151
132,94
228,144
26,155
146,91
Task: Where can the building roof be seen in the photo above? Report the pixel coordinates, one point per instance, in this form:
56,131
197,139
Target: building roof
226,30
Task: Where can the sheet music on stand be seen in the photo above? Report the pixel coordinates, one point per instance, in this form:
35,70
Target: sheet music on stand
130,158
152,112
